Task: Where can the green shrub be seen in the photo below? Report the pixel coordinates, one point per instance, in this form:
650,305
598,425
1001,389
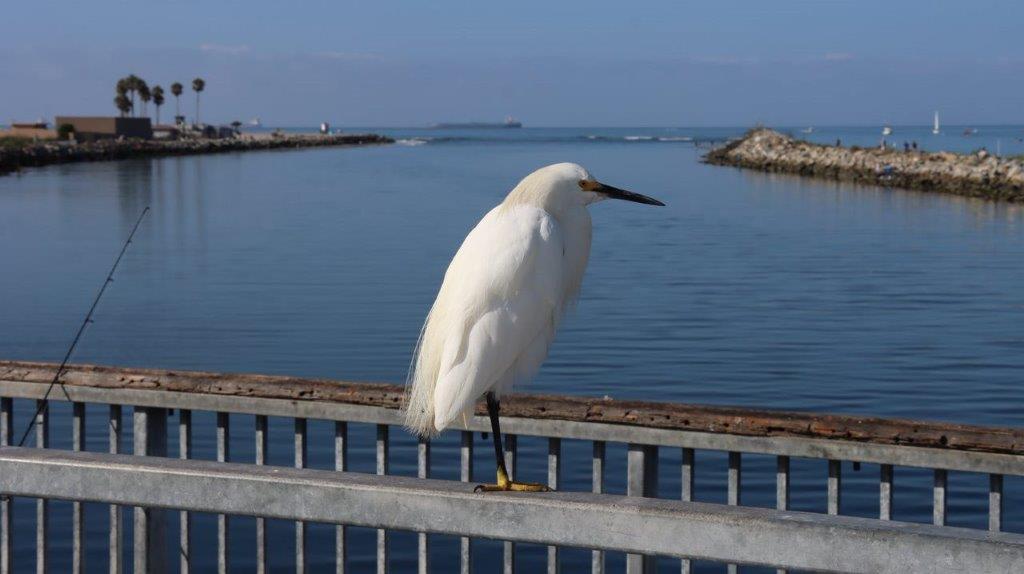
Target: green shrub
65,131
14,142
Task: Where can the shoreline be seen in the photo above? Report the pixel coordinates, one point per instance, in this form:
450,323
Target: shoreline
979,174
44,153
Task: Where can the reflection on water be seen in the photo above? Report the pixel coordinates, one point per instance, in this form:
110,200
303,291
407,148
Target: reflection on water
753,289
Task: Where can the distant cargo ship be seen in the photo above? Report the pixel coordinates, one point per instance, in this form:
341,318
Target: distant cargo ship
509,122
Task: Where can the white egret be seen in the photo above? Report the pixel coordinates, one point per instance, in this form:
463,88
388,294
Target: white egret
501,301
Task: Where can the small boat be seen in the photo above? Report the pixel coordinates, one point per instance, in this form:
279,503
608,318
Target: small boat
886,130
970,131
808,130
325,128
255,122
935,124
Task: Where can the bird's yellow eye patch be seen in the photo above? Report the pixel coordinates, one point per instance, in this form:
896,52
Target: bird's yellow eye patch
589,185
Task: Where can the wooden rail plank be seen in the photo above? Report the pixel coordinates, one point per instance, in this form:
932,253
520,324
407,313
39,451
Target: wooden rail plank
673,416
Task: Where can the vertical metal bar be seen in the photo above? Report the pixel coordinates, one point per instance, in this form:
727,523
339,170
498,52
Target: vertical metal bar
6,523
554,470
782,483
642,480
423,471
114,432
686,494
597,486
885,492
835,485
382,468
223,526
150,439
781,490
995,502
77,518
939,498
340,464
301,450
262,444
735,493
185,522
42,505
466,475
511,456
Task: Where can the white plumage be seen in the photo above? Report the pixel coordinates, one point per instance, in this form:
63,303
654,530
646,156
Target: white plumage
503,296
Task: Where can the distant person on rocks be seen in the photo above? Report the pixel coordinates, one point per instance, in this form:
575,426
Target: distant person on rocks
913,145
906,147
839,142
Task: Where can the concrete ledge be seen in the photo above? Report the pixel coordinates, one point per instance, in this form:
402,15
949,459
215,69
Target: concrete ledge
646,526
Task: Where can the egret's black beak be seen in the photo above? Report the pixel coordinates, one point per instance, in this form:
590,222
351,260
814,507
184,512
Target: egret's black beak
616,193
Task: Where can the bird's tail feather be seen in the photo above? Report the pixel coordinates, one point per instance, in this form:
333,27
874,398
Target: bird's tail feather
418,402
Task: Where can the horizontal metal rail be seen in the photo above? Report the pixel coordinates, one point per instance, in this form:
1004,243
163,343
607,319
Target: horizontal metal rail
721,533
994,450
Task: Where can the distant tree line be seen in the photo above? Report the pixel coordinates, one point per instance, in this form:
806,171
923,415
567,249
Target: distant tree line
132,86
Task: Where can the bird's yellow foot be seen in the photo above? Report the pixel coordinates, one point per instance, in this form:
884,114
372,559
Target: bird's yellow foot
513,487
506,485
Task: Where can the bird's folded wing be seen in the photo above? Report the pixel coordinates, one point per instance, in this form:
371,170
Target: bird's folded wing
501,297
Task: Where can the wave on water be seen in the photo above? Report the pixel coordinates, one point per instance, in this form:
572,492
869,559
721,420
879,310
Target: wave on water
593,138
643,138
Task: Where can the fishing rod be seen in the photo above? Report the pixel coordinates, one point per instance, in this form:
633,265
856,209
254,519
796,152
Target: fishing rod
43,405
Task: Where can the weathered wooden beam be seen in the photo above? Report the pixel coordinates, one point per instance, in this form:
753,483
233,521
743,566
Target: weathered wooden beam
672,416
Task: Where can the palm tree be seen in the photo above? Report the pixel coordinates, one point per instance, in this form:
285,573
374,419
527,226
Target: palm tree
197,86
158,100
176,90
123,89
132,84
123,104
145,96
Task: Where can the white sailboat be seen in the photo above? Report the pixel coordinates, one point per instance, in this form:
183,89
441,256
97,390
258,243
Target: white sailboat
887,130
935,124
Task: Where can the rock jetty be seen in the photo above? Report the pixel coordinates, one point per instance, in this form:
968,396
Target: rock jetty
13,158
978,174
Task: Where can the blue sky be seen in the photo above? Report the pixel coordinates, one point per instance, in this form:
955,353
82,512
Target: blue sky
547,63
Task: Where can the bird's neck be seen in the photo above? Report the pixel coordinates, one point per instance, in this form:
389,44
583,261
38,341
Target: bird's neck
559,205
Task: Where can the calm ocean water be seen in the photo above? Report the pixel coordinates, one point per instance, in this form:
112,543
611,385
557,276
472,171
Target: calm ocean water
748,289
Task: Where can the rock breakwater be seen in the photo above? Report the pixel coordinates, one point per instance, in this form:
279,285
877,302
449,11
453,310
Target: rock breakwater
13,158
978,174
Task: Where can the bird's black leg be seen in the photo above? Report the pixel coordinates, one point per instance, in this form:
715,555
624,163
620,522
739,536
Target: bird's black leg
493,407
504,481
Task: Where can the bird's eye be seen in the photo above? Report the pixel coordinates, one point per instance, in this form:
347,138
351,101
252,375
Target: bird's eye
582,183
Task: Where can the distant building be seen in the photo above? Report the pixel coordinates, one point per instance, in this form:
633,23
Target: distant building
37,129
89,128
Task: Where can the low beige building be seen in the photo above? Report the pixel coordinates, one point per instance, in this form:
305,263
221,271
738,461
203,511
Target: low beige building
29,130
89,128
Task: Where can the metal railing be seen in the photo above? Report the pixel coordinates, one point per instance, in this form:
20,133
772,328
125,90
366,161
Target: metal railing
633,524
